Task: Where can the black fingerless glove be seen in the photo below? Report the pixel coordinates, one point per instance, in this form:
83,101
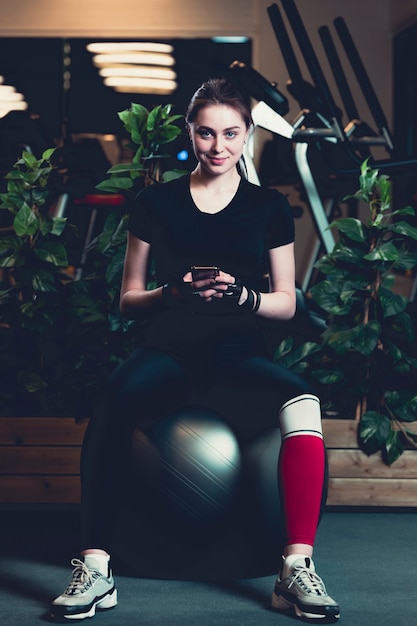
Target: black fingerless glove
233,294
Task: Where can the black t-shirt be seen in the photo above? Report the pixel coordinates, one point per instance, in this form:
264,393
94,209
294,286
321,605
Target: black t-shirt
236,239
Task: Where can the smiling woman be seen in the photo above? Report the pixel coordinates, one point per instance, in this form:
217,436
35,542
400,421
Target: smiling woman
218,135
203,330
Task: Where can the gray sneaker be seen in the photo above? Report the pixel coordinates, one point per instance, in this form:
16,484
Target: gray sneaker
304,591
87,591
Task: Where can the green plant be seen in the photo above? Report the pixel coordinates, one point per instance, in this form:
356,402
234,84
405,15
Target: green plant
150,132
61,337
366,362
39,301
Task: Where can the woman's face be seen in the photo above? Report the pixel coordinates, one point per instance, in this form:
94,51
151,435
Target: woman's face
218,134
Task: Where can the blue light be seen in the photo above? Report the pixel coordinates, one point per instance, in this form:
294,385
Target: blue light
230,39
182,155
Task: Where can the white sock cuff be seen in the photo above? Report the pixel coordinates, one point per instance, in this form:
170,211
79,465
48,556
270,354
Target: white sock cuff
99,562
301,416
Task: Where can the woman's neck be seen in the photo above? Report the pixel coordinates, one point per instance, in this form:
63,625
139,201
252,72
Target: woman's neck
211,194
224,182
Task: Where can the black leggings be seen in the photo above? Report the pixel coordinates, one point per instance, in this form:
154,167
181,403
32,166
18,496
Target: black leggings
150,385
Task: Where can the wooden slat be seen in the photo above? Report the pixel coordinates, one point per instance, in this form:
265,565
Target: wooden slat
340,433
41,431
40,460
356,464
372,492
40,489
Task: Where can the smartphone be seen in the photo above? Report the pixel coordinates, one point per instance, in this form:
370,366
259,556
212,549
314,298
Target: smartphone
204,272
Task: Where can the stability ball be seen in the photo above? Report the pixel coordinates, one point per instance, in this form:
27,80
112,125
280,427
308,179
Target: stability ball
188,467
202,506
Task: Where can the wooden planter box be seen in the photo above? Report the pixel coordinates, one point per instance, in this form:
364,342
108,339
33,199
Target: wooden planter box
356,479
39,463
39,460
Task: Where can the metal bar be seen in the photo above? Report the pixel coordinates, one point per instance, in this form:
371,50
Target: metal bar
338,73
363,80
310,58
288,54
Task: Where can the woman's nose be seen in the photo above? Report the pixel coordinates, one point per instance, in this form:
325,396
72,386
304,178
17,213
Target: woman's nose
217,144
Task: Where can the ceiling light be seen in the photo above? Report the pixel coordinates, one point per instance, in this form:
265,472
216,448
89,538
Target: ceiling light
136,46
148,58
140,85
135,67
10,99
140,71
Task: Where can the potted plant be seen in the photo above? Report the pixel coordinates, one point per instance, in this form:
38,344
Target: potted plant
366,361
150,132
59,336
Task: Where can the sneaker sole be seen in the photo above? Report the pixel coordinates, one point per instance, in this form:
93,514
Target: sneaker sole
109,601
279,603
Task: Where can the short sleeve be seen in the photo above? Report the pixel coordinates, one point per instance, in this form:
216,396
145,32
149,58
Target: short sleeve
140,222
281,222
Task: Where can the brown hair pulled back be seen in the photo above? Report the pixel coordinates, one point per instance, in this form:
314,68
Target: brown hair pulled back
216,91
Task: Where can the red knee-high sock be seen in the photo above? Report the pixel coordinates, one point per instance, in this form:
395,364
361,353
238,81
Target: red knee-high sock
301,468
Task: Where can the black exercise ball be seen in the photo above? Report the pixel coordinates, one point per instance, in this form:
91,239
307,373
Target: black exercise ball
187,469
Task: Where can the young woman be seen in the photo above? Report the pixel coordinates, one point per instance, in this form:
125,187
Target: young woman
206,320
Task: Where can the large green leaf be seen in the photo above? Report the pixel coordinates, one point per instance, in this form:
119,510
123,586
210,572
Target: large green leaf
407,260
284,347
391,303
115,267
153,118
403,404
297,356
52,252
403,228
373,430
168,133
394,447
366,337
115,184
363,338
407,210
345,254
42,280
387,251
351,227
126,167
12,251
327,295
25,222
173,175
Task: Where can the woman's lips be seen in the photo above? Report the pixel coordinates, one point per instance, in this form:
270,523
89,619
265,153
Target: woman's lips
216,160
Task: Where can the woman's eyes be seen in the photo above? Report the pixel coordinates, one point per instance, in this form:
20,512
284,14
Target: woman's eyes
230,134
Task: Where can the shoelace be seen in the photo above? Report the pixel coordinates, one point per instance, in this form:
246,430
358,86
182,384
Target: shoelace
82,578
310,581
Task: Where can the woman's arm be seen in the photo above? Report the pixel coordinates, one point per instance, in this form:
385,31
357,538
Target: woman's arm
134,297
280,303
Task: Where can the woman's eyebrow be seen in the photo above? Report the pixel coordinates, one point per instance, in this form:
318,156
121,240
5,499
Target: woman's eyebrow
203,127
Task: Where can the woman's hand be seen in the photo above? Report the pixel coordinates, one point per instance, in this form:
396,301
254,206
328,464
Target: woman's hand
209,288
224,286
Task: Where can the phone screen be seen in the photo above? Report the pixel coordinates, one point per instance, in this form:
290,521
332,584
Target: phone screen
204,272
